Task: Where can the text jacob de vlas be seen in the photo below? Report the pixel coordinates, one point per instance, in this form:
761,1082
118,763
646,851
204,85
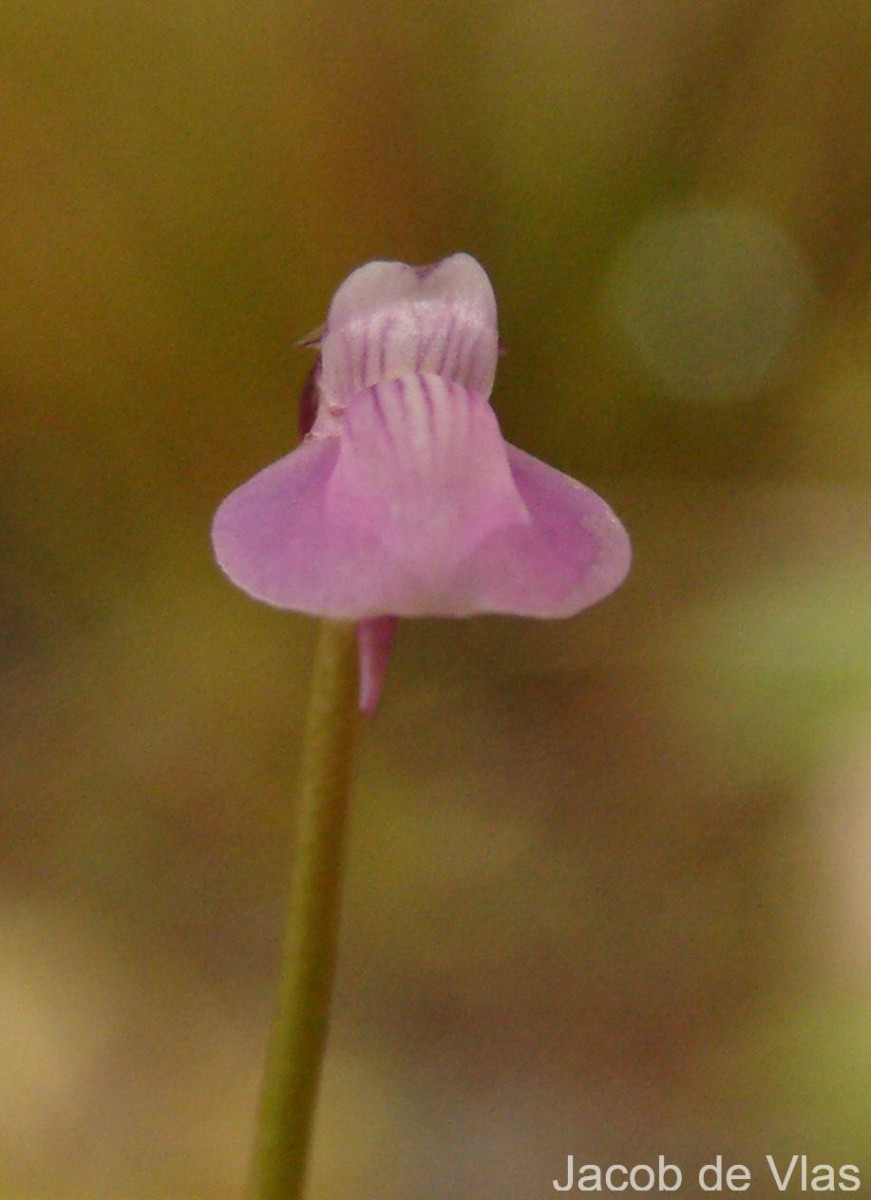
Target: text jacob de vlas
798,1173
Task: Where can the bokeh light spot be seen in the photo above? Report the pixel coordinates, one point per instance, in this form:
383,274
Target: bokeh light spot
709,298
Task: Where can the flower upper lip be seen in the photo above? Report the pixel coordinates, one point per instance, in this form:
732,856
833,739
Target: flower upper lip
389,319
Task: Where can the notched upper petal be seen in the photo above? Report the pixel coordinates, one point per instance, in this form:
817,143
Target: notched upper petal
389,319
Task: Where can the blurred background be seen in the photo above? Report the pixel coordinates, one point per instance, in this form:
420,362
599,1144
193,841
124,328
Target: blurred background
609,892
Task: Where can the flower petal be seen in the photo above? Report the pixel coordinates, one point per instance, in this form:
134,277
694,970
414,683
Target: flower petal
423,466
389,319
267,533
272,539
378,520
574,552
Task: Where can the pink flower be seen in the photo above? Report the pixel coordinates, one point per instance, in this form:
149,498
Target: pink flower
404,499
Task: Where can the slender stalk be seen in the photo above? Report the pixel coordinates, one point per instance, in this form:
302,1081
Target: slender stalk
299,1034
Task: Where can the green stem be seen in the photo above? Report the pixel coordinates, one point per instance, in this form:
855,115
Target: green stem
299,1034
